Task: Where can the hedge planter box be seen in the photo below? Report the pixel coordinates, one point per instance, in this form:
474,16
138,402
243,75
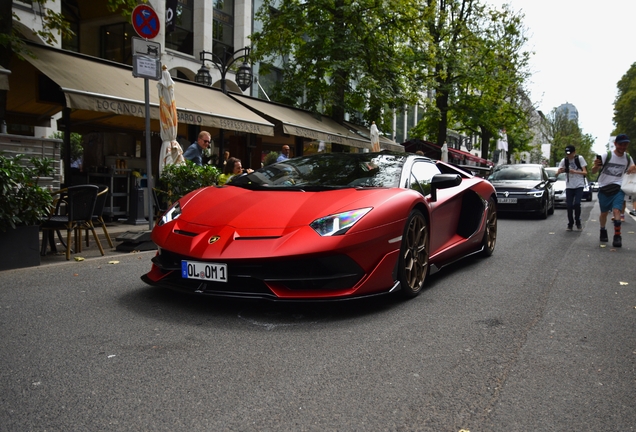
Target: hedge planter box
20,247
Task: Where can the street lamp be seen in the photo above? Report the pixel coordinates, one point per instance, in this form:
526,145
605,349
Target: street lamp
243,77
244,74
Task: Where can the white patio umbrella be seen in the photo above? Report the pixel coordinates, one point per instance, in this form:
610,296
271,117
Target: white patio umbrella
375,137
502,146
171,151
445,153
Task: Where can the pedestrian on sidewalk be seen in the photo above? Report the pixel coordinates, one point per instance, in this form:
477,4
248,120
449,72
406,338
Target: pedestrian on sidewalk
575,169
612,167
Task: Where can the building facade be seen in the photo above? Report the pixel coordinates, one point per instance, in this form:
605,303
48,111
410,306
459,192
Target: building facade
84,84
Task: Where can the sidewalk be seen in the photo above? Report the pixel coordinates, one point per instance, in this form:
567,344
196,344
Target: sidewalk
115,229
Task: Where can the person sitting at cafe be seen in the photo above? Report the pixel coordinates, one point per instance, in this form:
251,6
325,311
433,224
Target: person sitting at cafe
284,155
232,168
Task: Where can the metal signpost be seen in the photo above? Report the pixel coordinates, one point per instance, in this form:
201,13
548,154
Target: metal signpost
146,65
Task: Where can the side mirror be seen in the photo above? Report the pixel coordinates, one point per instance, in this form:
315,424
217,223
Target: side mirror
444,181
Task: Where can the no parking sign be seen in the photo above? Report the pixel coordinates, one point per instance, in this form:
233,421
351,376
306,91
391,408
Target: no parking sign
145,21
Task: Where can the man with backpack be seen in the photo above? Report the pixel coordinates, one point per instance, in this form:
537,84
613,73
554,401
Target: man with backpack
575,169
612,167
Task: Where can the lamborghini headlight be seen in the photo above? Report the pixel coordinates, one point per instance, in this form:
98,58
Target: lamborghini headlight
171,214
338,224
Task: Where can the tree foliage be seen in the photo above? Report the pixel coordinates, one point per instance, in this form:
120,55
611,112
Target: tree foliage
373,56
625,107
497,100
342,55
561,132
77,149
179,180
22,200
479,69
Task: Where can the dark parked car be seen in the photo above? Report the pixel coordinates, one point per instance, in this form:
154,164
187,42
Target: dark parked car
552,171
523,188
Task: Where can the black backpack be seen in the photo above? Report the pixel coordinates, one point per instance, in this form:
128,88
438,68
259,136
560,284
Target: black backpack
576,160
567,165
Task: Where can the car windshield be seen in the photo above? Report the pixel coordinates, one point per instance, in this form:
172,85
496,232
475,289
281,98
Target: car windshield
552,171
517,172
327,171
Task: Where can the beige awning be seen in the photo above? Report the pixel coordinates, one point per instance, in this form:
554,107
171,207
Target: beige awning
95,85
305,124
4,78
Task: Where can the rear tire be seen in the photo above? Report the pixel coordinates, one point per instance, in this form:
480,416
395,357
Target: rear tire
490,234
413,264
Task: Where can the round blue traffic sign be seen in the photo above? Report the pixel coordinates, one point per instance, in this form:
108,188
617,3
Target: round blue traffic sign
145,21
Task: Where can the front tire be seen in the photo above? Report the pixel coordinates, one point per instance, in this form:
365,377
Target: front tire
544,209
413,265
490,233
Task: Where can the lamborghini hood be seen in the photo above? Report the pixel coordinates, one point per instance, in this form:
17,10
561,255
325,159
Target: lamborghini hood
242,208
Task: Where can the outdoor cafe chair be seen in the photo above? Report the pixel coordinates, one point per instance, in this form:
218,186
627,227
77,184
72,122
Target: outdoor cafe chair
73,211
97,219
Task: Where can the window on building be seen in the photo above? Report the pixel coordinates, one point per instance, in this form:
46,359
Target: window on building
267,82
115,42
223,28
71,14
181,39
400,133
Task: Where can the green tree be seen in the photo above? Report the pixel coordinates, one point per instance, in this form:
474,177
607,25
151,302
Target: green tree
494,99
478,68
342,55
562,132
77,149
451,26
625,107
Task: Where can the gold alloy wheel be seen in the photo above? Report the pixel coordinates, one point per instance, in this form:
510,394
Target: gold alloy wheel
414,256
490,235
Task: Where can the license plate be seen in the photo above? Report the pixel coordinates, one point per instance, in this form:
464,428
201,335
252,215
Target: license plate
508,200
204,271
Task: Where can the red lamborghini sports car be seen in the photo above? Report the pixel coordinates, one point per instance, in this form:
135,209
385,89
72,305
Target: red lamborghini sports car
325,227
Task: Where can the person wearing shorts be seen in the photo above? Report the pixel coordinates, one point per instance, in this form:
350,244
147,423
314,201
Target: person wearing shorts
610,195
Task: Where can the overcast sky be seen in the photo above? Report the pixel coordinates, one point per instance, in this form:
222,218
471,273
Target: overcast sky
581,51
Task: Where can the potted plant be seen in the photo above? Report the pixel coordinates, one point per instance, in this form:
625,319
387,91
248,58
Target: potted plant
270,158
178,180
23,205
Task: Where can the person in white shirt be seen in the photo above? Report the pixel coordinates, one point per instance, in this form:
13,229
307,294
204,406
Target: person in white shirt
575,169
610,195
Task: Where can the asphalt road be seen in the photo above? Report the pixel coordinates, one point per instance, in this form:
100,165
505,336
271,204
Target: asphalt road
538,337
